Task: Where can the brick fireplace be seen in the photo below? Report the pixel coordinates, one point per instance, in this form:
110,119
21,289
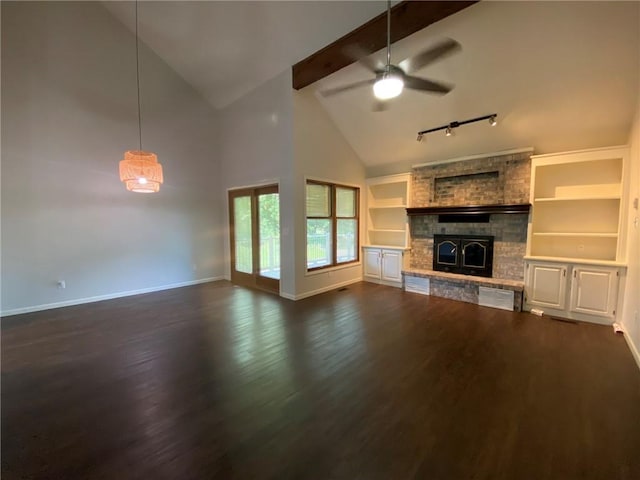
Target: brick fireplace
494,180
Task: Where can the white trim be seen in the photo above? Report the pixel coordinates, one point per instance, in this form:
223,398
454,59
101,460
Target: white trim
634,350
109,296
320,290
265,183
333,182
333,268
475,157
586,150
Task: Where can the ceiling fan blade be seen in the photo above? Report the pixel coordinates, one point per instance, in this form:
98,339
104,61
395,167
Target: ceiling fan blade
332,91
421,60
417,83
358,54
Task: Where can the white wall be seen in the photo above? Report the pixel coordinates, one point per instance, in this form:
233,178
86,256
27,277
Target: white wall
321,153
631,308
256,149
68,113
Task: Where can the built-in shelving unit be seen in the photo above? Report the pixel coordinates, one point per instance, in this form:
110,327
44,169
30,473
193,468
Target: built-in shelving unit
387,200
577,205
386,248
575,249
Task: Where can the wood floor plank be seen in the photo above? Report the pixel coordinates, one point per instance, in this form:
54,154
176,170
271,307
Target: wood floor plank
218,381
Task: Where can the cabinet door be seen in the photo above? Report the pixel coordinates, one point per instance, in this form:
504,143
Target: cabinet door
392,265
594,290
372,258
546,284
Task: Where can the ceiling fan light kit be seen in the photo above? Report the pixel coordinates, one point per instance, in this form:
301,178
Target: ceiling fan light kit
388,86
390,80
448,128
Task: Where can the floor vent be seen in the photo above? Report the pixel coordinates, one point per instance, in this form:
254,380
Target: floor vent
416,285
495,298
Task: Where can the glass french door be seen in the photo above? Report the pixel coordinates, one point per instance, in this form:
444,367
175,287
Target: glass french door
254,217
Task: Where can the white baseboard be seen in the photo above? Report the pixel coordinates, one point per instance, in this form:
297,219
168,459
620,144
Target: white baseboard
109,296
300,296
632,346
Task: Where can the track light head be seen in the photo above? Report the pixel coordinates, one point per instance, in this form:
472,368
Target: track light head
448,132
492,121
420,135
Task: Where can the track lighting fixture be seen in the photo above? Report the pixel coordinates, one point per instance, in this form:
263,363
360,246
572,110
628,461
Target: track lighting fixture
449,127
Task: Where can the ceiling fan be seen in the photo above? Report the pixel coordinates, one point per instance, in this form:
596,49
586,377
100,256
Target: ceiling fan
390,79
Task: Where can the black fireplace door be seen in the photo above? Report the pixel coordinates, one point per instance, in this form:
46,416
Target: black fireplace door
466,254
477,256
448,255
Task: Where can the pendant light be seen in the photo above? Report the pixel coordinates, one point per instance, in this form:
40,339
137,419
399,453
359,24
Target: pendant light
140,170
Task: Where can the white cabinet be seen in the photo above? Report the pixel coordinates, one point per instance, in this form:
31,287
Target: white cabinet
576,237
386,251
384,265
546,284
594,290
372,263
574,291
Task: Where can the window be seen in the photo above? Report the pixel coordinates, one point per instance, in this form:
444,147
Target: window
332,225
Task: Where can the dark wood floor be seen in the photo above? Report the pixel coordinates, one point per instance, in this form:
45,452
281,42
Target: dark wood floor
216,381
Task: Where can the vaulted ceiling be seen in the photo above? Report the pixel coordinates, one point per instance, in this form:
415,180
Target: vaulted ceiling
560,75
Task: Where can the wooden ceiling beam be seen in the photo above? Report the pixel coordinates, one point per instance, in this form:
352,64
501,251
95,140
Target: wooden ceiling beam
407,17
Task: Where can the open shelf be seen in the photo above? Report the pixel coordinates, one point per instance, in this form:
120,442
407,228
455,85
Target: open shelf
387,200
577,199
579,179
388,207
576,234
577,202
584,247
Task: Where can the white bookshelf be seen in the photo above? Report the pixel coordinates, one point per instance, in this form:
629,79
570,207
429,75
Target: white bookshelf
387,241
387,200
577,205
576,239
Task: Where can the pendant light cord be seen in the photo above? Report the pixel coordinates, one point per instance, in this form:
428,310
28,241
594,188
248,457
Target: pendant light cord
388,33
138,81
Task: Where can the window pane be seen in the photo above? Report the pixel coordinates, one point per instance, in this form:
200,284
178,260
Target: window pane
318,203
345,202
347,241
269,231
318,243
242,233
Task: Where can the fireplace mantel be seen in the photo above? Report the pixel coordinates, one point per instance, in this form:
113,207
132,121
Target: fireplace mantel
470,209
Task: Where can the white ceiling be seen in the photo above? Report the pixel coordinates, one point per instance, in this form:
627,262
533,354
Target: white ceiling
560,75
226,49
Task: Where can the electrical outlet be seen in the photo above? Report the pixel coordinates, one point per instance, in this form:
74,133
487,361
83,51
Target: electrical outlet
62,284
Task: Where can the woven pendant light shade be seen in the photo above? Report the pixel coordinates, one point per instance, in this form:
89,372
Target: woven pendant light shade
140,171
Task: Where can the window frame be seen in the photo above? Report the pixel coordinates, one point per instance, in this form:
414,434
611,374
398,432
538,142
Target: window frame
333,218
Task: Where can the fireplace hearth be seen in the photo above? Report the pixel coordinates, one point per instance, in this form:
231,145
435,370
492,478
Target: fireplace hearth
465,254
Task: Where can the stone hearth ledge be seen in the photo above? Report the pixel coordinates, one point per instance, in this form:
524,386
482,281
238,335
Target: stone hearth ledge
463,285
515,285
